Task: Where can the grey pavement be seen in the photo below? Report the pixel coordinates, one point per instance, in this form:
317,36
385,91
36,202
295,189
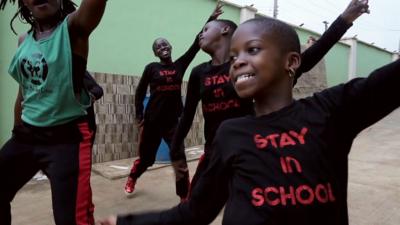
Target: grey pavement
374,185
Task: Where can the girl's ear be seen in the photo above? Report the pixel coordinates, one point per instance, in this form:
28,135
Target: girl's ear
225,30
293,61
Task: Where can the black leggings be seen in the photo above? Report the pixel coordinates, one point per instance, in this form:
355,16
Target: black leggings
63,153
150,137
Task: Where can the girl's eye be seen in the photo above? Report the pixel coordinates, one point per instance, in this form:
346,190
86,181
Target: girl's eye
253,50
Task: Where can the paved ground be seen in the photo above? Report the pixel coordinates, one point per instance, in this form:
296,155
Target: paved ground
374,186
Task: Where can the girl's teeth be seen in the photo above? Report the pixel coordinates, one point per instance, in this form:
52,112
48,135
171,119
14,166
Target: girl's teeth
243,77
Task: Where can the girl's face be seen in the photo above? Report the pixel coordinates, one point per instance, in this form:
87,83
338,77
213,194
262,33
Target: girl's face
257,63
43,9
210,34
162,49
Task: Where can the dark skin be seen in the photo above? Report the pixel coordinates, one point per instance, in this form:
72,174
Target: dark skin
215,38
215,41
269,61
162,48
260,69
81,23
254,52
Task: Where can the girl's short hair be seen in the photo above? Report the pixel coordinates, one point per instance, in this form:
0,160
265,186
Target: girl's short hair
283,34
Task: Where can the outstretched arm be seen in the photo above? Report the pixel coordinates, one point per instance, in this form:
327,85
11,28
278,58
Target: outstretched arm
315,52
189,55
372,98
361,102
86,18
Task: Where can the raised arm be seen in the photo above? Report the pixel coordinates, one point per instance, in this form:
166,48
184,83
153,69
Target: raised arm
311,56
141,93
370,99
186,120
361,102
86,18
189,55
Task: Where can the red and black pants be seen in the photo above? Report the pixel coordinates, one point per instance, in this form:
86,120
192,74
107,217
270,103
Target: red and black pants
150,137
63,153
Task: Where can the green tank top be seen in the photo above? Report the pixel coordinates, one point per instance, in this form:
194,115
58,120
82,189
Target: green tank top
44,71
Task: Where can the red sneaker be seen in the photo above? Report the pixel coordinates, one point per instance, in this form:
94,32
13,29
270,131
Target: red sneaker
130,186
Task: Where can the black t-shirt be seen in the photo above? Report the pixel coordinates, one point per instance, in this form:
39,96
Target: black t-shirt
211,84
290,166
219,100
165,104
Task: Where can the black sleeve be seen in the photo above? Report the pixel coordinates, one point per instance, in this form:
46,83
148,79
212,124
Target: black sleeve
92,86
185,60
141,92
363,101
311,56
186,120
208,197
189,55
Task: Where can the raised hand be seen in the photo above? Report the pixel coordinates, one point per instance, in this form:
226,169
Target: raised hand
355,9
217,11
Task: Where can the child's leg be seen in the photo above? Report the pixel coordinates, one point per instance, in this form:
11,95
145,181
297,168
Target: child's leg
68,167
92,122
182,182
17,166
149,140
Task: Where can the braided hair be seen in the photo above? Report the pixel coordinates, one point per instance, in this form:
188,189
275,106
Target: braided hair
25,16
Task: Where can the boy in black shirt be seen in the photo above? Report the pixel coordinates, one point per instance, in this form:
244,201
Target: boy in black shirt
164,107
210,83
287,164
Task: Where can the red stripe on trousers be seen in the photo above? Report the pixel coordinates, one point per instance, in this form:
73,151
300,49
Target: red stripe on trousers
84,205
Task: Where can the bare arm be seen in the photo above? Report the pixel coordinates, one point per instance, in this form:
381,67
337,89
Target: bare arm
18,101
87,17
18,109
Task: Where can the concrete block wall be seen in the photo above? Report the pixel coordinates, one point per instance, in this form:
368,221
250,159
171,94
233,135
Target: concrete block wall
313,81
117,134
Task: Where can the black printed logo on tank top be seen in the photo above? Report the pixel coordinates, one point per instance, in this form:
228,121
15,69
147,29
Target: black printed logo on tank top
35,69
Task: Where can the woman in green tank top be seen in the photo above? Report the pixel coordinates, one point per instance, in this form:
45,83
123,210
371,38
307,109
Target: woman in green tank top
51,131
